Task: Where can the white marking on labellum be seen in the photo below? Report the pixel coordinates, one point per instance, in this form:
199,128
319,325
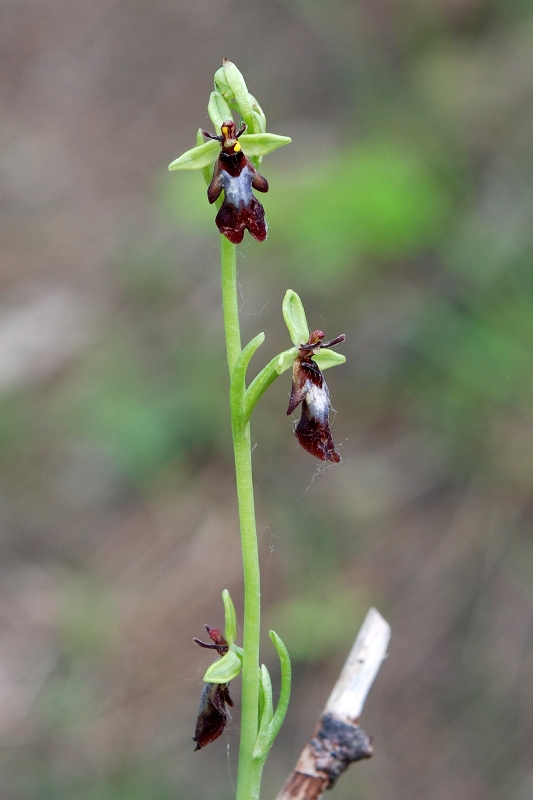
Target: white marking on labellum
317,399
237,190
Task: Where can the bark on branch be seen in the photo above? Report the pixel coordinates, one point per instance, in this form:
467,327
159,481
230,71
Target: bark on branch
338,740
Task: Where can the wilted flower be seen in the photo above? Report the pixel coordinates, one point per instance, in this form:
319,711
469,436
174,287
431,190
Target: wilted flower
212,715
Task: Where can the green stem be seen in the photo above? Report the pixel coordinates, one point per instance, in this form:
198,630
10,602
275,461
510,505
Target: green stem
249,773
230,301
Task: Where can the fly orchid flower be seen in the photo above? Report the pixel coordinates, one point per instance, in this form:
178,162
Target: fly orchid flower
229,169
236,175
212,715
309,357
310,389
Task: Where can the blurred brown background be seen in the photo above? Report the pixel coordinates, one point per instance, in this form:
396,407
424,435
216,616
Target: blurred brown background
401,214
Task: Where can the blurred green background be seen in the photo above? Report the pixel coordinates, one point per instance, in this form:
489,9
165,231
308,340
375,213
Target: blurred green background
401,214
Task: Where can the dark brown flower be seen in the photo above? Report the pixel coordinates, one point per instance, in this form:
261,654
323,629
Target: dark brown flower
212,715
236,175
310,389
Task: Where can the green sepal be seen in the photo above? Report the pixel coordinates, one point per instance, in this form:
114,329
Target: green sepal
230,629
225,669
295,319
261,144
218,110
329,358
198,157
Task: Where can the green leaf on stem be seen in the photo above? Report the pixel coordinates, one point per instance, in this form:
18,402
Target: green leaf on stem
295,319
230,629
266,711
267,734
238,376
285,692
225,669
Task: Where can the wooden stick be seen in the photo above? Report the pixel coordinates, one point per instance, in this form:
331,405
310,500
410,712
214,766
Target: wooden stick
338,740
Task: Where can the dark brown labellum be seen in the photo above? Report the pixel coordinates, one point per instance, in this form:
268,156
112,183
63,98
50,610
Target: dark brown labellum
235,174
310,389
212,715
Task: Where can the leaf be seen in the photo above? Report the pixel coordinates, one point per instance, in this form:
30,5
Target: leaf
268,733
266,712
238,376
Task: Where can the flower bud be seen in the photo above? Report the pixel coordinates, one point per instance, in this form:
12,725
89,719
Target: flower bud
218,110
243,98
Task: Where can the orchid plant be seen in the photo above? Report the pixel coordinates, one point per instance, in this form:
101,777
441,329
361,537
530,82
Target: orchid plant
229,160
